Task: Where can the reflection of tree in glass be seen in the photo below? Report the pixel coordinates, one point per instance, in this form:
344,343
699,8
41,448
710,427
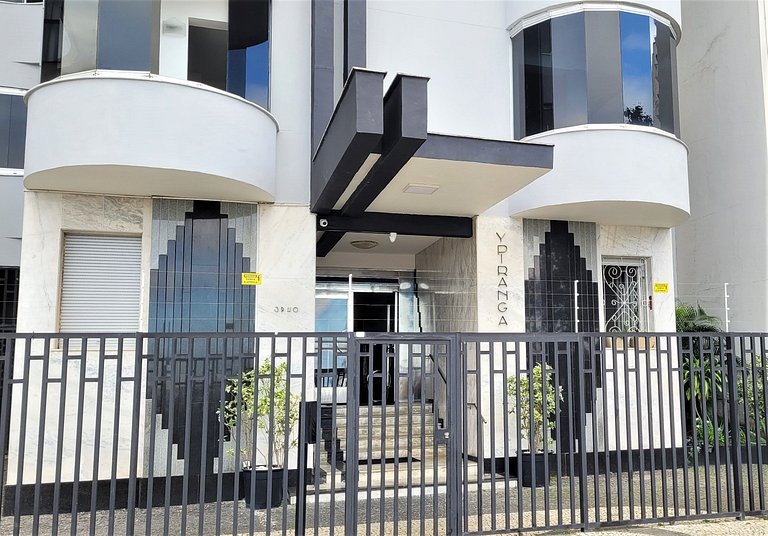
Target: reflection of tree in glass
636,115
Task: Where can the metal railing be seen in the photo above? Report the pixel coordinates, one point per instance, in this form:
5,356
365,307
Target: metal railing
309,433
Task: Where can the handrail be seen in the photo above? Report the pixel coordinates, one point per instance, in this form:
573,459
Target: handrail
477,409
439,369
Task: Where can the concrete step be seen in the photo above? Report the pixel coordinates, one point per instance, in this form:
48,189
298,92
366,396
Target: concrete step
402,430
403,408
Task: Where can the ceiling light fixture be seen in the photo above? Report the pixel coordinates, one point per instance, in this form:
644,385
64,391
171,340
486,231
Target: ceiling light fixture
422,189
364,244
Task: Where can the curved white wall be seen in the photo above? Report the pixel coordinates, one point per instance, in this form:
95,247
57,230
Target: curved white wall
519,9
131,133
610,174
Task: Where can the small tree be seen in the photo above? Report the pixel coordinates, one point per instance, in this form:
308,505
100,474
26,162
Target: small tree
265,399
532,404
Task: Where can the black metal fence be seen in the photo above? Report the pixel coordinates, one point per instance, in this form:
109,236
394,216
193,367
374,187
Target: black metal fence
380,434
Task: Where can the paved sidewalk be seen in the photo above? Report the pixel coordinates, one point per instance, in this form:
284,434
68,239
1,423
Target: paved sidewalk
752,526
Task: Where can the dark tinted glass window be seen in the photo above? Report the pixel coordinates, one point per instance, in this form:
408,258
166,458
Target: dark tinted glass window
636,68
569,70
248,60
539,114
207,56
13,129
125,34
53,24
594,67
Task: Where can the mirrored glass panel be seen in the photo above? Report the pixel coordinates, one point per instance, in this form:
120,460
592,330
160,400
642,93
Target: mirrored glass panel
594,67
637,33
248,58
13,129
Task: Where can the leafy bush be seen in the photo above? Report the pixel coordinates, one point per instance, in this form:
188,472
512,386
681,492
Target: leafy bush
264,398
532,403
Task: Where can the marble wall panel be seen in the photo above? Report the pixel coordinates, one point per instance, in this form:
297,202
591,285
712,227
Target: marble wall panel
448,270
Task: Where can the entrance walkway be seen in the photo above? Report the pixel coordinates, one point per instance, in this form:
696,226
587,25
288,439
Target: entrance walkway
748,527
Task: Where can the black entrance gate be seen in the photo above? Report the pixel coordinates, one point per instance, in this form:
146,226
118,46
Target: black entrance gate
401,455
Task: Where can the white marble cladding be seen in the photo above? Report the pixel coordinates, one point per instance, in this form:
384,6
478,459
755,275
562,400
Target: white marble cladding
112,445
167,214
47,217
286,259
500,274
446,273
584,236
654,245
638,392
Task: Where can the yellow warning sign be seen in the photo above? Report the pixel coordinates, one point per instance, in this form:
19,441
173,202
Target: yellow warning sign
659,288
251,278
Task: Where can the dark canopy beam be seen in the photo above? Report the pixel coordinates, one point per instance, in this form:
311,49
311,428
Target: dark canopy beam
355,128
404,224
405,130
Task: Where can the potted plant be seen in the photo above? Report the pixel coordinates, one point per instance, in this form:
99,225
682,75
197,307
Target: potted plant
262,397
535,426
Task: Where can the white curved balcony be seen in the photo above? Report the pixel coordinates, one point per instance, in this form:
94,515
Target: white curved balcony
610,174
130,133
518,13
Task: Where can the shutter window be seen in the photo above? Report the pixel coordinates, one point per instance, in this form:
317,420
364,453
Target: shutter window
101,284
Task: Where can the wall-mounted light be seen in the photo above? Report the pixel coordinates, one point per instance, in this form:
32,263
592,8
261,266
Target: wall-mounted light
392,237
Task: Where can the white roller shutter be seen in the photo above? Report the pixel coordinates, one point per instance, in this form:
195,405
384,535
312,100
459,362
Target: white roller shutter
101,284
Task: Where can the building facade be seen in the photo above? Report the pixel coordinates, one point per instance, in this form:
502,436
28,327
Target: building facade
721,249
523,176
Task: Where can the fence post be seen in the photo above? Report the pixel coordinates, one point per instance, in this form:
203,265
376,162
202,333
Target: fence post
734,428
581,385
351,469
454,403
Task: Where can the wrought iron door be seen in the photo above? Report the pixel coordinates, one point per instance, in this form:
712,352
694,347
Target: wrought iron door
625,295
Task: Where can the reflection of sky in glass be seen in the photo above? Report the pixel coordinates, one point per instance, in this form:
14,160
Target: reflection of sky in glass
330,314
636,61
257,74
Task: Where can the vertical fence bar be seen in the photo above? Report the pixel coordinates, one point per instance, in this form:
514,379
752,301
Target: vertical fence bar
422,427
190,381
152,381
115,434
733,410
60,448
606,427
9,345
453,402
662,445
78,452
505,409
41,424
760,366
170,396
134,455
353,435
591,348
492,420
672,413
301,465
583,470
22,436
204,438
651,435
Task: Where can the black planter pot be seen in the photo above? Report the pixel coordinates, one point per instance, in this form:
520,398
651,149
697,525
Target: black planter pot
533,470
260,491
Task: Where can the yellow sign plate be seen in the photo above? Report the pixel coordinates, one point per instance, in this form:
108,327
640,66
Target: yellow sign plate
660,288
251,278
